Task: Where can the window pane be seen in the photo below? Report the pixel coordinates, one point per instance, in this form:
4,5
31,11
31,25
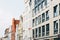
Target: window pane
43,30
47,15
33,33
59,25
39,19
43,17
55,27
47,29
36,32
33,23
39,31
59,8
42,5
55,11
45,2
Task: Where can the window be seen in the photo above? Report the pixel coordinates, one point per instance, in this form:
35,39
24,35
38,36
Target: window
45,2
39,19
39,7
39,31
43,17
42,5
47,29
30,2
59,9
33,33
36,32
43,30
47,15
36,9
55,27
33,23
55,11
39,0
35,2
36,21
59,25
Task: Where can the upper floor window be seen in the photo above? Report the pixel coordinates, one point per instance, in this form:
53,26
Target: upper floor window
36,32
42,5
56,27
36,20
59,8
55,10
47,29
39,31
45,2
35,2
33,33
43,30
30,2
59,25
43,17
39,19
47,15
33,23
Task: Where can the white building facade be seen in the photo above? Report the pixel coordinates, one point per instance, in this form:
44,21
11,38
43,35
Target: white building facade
43,17
27,21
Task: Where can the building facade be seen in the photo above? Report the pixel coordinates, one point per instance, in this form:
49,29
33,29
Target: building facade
15,23
20,29
27,21
43,17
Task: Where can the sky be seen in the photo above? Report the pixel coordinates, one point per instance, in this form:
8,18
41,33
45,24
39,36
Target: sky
9,9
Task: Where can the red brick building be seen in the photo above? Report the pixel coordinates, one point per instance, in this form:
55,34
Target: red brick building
14,23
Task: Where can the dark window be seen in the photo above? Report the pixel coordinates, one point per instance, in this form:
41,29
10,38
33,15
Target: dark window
33,33
45,2
39,31
47,15
47,29
59,9
59,25
43,17
33,23
30,2
43,30
55,11
55,27
36,32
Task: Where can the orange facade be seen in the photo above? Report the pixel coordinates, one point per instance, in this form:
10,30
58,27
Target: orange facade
13,28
